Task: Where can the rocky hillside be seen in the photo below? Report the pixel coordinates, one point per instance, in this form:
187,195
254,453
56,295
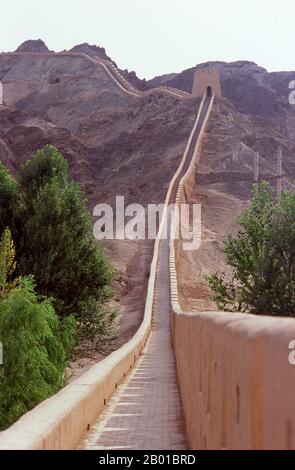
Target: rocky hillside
120,145
250,89
223,186
115,145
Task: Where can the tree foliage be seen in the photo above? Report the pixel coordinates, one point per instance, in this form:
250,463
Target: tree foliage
47,165
8,198
35,351
58,247
57,244
61,267
7,264
262,258
54,240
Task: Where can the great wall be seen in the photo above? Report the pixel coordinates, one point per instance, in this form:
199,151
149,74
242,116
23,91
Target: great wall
13,90
223,382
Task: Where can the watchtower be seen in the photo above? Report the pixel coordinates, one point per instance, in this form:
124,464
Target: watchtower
206,80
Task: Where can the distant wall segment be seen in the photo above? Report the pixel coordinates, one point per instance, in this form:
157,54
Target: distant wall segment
15,90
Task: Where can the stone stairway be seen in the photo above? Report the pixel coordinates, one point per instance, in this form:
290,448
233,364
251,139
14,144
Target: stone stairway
145,412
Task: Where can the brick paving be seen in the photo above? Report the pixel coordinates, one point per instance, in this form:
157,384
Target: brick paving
145,411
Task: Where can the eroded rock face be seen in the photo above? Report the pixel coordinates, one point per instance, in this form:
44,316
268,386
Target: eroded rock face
33,45
22,134
115,145
73,97
63,89
92,51
250,88
223,186
97,51
118,145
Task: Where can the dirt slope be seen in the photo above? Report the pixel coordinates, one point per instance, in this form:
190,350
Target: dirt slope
115,145
223,185
118,145
250,88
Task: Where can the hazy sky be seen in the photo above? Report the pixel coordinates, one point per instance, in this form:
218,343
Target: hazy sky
154,37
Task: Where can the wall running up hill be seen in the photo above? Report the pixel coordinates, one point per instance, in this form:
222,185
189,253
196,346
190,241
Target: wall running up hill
59,422
236,382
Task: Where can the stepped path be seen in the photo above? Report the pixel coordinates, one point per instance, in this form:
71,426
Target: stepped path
145,412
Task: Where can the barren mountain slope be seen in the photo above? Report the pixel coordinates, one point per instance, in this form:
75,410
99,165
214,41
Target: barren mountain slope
115,145
64,89
120,145
223,185
250,88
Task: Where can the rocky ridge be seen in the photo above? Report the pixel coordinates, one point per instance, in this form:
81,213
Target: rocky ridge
120,145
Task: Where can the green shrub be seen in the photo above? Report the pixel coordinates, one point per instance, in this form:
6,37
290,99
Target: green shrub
96,322
262,258
7,264
56,243
53,235
8,198
34,356
57,246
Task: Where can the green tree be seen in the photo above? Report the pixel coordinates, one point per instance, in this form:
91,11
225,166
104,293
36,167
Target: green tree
52,230
59,249
47,165
262,258
7,264
281,257
8,198
34,356
56,244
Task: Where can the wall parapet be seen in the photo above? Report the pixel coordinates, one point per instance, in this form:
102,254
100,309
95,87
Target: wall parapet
237,385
